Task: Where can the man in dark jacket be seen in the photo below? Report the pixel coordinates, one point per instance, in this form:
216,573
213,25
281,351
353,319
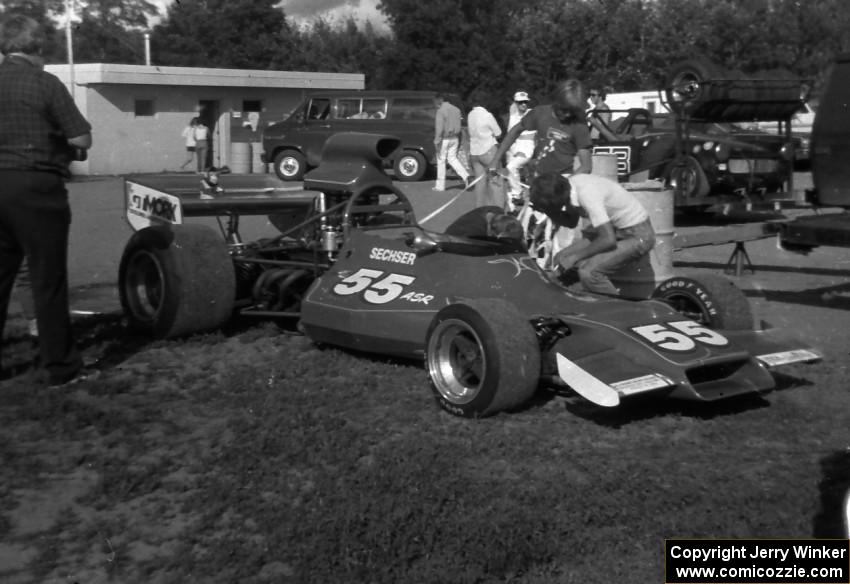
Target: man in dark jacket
41,131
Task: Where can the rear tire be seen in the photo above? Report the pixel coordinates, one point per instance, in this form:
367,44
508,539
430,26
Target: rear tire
290,165
482,357
410,166
711,300
177,280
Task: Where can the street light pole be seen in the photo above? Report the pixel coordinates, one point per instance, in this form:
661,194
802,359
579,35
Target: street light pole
69,16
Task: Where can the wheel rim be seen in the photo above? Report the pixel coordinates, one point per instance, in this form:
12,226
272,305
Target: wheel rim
144,286
289,166
685,179
686,87
408,166
687,306
456,361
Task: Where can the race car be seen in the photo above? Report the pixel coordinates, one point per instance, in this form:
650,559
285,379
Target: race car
356,270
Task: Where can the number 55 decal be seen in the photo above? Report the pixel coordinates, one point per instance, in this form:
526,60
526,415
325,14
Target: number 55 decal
377,291
680,336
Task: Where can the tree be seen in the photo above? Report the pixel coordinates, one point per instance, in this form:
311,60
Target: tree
249,34
455,45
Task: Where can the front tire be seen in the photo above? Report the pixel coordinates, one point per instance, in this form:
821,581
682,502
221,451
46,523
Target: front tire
290,165
482,357
711,300
177,280
410,166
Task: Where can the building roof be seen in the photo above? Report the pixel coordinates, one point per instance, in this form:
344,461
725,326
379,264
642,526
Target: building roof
103,73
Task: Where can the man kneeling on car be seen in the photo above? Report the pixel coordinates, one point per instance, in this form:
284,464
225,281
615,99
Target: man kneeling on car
621,234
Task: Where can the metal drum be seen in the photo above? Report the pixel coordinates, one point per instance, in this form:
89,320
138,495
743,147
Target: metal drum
605,165
240,158
640,279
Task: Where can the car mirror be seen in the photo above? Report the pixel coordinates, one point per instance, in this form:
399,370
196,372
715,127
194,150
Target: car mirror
422,243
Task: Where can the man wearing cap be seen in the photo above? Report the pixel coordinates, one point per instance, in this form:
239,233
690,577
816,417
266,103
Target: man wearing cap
521,150
562,136
623,233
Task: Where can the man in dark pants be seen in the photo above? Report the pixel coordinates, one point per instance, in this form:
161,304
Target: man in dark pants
41,131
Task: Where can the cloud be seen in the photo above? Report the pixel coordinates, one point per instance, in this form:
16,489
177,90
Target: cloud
360,10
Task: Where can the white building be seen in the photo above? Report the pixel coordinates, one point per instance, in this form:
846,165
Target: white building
138,112
650,100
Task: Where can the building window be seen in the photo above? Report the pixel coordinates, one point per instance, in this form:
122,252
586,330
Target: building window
144,108
252,105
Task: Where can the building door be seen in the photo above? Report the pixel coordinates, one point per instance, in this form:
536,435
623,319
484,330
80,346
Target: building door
208,112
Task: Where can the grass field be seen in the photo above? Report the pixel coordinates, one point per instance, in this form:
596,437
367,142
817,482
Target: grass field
252,455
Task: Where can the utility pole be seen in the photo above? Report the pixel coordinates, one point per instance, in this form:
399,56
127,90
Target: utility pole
71,17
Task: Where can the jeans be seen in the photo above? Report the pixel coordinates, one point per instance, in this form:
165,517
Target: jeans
448,153
486,192
34,222
632,244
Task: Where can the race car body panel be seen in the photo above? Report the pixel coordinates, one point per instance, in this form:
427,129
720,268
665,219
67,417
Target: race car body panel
383,292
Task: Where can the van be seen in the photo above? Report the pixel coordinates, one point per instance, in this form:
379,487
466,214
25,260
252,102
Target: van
294,145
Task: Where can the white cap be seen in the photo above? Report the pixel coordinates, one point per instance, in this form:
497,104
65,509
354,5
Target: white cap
521,96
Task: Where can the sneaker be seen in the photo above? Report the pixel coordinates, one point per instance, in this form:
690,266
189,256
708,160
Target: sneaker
78,377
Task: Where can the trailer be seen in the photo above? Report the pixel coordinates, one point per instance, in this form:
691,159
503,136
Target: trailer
830,148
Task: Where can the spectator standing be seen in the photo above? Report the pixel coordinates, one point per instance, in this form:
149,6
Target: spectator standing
189,137
41,131
562,136
202,144
483,131
447,129
521,151
598,108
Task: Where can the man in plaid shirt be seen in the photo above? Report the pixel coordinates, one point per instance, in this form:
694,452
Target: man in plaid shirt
41,131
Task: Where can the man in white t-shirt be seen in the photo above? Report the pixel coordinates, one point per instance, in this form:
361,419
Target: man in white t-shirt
623,233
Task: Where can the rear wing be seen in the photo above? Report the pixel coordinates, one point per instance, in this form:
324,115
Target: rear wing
169,199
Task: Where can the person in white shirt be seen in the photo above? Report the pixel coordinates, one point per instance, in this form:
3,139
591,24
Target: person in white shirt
483,131
189,136
623,233
521,151
202,144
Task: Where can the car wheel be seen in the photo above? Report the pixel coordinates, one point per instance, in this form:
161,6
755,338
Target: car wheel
290,165
410,166
711,300
482,357
176,281
687,178
690,83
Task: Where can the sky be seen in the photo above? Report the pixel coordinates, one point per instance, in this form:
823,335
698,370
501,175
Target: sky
361,10
303,11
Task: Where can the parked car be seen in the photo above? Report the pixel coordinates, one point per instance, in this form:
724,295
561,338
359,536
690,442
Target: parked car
718,159
294,145
801,129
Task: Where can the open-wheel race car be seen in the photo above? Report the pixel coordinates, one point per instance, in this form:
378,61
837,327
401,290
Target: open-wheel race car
355,268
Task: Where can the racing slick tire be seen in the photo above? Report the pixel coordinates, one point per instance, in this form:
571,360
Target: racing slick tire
482,357
176,280
689,84
290,165
711,300
410,166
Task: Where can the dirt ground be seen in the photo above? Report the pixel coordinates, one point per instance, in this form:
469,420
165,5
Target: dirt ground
113,481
